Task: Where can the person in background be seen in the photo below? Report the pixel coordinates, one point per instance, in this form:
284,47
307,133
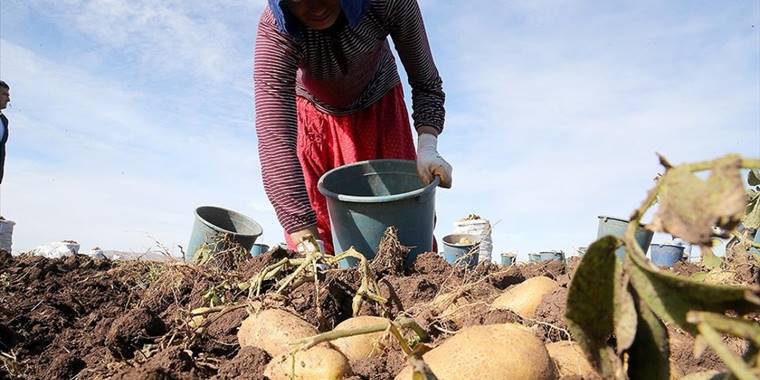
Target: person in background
328,93
5,98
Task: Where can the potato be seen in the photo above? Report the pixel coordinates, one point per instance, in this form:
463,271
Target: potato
525,297
502,351
316,363
465,241
273,330
360,347
571,361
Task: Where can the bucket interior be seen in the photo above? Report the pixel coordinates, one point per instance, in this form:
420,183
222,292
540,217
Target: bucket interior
461,240
228,221
376,178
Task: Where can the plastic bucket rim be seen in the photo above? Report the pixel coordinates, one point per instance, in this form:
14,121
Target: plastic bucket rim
667,245
641,225
478,240
257,227
374,199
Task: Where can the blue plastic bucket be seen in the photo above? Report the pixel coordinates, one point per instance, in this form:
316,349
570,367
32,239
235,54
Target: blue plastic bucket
507,259
365,198
616,227
666,255
258,249
757,240
215,227
457,246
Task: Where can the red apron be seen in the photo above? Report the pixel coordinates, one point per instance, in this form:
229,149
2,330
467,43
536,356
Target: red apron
328,141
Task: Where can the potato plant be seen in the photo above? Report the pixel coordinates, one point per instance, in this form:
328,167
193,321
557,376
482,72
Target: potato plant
617,311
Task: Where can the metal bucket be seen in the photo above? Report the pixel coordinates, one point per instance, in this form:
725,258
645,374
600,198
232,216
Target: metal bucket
461,249
217,228
616,227
365,198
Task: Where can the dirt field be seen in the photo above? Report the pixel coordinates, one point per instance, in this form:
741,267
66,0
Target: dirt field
79,317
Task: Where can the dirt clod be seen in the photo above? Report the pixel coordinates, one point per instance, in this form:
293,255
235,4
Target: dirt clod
65,366
129,332
248,364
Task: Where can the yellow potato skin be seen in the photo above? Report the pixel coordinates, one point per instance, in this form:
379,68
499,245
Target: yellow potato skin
316,363
273,330
570,360
489,352
360,347
525,297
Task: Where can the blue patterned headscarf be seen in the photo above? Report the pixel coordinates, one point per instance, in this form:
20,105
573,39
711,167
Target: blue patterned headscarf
288,24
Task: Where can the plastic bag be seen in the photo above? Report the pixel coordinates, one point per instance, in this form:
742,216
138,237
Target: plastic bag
476,225
57,249
6,235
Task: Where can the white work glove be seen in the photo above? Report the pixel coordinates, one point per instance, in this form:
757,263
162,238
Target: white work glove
430,163
307,246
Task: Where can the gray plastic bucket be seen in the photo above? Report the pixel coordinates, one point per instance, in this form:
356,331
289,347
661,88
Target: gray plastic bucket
551,255
534,258
616,227
258,249
665,255
757,240
214,224
365,198
507,259
454,249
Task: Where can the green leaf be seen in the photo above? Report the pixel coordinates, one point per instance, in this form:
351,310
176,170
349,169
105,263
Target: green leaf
625,317
690,207
752,217
754,177
709,260
650,351
591,306
670,297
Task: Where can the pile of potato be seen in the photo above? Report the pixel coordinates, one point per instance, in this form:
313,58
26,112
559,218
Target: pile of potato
498,351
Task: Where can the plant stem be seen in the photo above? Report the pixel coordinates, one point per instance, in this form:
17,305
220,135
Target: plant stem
732,361
734,326
750,163
743,239
310,258
307,343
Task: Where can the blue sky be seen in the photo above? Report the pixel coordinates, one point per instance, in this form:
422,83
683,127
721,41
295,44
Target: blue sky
126,115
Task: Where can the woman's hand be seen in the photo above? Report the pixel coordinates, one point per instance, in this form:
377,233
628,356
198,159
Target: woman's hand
430,163
303,243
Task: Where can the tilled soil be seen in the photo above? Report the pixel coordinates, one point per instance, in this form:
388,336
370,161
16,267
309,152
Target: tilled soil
79,317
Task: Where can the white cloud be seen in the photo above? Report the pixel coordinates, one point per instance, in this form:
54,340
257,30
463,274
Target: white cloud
555,111
87,162
167,36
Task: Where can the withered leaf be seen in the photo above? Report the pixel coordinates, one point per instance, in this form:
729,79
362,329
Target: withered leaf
690,206
752,219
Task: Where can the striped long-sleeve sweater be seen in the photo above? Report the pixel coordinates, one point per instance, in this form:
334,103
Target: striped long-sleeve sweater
343,69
